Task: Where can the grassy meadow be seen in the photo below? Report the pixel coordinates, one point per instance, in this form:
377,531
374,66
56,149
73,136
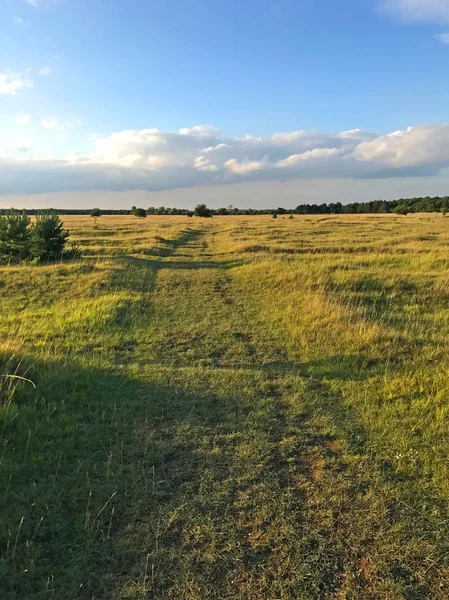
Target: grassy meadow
238,408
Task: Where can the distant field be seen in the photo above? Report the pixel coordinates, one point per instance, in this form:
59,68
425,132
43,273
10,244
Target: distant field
236,408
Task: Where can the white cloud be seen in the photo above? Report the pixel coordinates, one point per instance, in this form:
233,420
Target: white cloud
443,38
54,123
152,159
50,123
45,71
20,22
37,3
243,168
203,164
317,153
199,130
215,148
11,83
433,11
22,119
424,146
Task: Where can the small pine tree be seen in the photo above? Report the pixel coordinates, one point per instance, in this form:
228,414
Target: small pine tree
48,237
15,235
141,213
275,215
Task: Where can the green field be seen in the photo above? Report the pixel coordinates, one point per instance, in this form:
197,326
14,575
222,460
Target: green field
228,408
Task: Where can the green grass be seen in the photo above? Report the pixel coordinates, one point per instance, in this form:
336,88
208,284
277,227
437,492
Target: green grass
239,408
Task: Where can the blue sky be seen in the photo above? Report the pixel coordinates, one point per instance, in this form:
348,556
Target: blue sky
100,96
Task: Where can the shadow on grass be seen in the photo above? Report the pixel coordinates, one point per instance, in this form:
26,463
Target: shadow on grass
349,367
168,247
158,264
106,472
125,487
87,455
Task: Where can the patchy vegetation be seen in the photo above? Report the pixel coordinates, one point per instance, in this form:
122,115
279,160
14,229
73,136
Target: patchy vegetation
240,410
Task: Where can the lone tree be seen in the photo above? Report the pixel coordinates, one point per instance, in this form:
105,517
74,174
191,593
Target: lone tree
95,213
15,235
141,213
201,210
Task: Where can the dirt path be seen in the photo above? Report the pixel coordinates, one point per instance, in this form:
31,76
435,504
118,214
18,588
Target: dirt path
259,495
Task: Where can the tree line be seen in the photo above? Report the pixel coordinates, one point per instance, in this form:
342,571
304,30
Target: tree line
401,206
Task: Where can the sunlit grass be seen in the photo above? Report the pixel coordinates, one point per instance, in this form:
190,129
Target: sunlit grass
238,407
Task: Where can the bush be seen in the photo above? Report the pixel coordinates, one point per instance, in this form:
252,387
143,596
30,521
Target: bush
139,212
201,210
15,236
400,210
48,237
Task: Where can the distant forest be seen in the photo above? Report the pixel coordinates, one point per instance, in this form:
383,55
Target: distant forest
402,206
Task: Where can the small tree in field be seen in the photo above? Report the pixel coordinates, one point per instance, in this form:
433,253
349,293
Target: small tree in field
201,210
48,237
141,213
15,236
95,213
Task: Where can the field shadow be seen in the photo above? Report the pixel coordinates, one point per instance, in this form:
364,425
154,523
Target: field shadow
106,470
169,246
352,367
174,264
118,485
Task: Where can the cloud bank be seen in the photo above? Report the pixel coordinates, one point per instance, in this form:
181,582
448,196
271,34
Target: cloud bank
154,160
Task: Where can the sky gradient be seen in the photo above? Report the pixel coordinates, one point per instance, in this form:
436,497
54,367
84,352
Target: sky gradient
251,103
